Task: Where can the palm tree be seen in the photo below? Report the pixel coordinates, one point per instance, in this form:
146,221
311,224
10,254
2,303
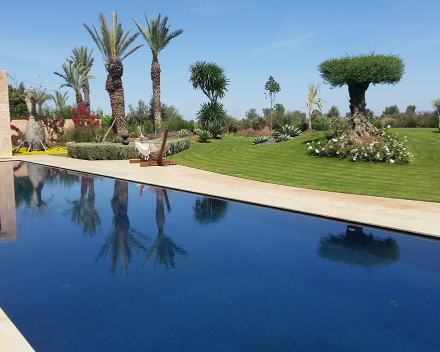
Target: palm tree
157,36
59,99
42,97
313,99
112,43
75,80
83,61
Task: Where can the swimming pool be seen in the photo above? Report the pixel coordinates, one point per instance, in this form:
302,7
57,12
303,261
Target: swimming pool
96,264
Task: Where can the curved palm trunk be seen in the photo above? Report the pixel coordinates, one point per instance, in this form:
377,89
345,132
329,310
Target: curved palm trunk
79,99
86,91
115,90
155,78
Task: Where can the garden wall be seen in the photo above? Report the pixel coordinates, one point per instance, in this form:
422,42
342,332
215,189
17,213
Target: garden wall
21,125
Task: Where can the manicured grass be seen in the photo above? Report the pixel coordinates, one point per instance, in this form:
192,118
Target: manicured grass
288,163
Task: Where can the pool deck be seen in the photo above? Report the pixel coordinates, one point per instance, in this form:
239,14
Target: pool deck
394,215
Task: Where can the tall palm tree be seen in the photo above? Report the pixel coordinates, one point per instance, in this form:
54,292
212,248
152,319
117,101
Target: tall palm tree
313,99
112,43
83,61
42,97
157,36
59,99
75,80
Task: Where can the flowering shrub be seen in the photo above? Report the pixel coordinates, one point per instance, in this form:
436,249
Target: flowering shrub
82,117
386,148
53,125
16,138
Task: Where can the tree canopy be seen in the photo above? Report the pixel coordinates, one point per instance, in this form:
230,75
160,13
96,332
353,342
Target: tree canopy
210,78
372,68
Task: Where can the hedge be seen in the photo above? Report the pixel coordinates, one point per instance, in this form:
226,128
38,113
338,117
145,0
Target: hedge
118,151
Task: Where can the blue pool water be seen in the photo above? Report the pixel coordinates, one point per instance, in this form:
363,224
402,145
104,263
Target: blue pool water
98,264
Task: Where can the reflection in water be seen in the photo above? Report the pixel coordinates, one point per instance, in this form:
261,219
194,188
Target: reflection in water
164,249
8,222
356,248
123,240
37,175
208,211
83,212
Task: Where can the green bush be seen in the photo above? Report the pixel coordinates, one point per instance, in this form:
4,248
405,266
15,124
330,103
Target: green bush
107,120
216,128
118,151
203,135
320,126
85,134
377,123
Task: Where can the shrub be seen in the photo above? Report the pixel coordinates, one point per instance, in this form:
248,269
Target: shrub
386,148
377,123
320,126
260,139
16,138
117,151
107,120
216,128
82,117
209,113
203,135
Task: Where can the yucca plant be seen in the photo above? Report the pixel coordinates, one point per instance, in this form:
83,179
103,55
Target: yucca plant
74,79
112,43
216,128
83,61
313,99
158,35
204,135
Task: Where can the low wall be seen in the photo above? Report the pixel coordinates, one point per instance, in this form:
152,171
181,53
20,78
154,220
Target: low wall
21,125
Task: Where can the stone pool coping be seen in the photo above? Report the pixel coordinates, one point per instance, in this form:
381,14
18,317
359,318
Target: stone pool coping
394,215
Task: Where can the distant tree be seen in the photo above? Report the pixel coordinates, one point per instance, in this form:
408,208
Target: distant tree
391,111
251,114
436,104
358,72
157,34
272,88
313,99
138,115
17,104
83,61
411,109
112,43
59,99
370,114
333,112
317,116
279,109
42,97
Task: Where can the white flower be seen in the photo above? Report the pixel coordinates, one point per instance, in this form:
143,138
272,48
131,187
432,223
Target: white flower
308,143
331,147
310,148
337,152
388,126
391,161
334,140
354,158
316,151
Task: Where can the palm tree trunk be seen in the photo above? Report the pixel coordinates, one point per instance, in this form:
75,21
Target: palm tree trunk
86,91
79,99
116,92
155,78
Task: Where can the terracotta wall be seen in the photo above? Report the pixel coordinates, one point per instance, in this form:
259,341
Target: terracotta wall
21,125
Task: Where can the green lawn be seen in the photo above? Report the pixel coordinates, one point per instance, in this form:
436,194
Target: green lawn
287,163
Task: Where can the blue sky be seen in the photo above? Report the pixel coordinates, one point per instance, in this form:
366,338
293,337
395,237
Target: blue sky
252,40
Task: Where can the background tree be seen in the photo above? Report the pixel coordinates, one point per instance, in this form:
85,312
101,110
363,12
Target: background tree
157,34
313,99
59,99
392,110
75,80
83,62
333,112
112,43
42,97
272,88
17,103
358,72
411,109
138,115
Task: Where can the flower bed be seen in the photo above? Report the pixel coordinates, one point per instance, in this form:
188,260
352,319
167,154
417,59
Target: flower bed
385,148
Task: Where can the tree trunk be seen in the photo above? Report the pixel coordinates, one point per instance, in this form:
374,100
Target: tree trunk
86,91
79,99
35,132
357,97
115,90
155,78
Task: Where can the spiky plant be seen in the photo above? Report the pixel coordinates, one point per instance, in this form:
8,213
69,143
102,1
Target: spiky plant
112,43
83,61
158,35
75,80
313,99
59,99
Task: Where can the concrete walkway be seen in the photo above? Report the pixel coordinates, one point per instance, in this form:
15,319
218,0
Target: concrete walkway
422,218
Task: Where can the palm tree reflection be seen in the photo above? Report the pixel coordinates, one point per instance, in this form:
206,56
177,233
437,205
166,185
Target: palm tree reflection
164,249
208,211
356,248
122,240
83,211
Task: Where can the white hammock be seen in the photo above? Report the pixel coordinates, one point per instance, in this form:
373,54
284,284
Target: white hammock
150,147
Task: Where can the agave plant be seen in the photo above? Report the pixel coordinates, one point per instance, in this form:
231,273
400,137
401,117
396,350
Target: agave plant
216,128
282,137
292,131
260,139
204,135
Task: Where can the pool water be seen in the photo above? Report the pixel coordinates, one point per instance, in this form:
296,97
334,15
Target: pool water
97,264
